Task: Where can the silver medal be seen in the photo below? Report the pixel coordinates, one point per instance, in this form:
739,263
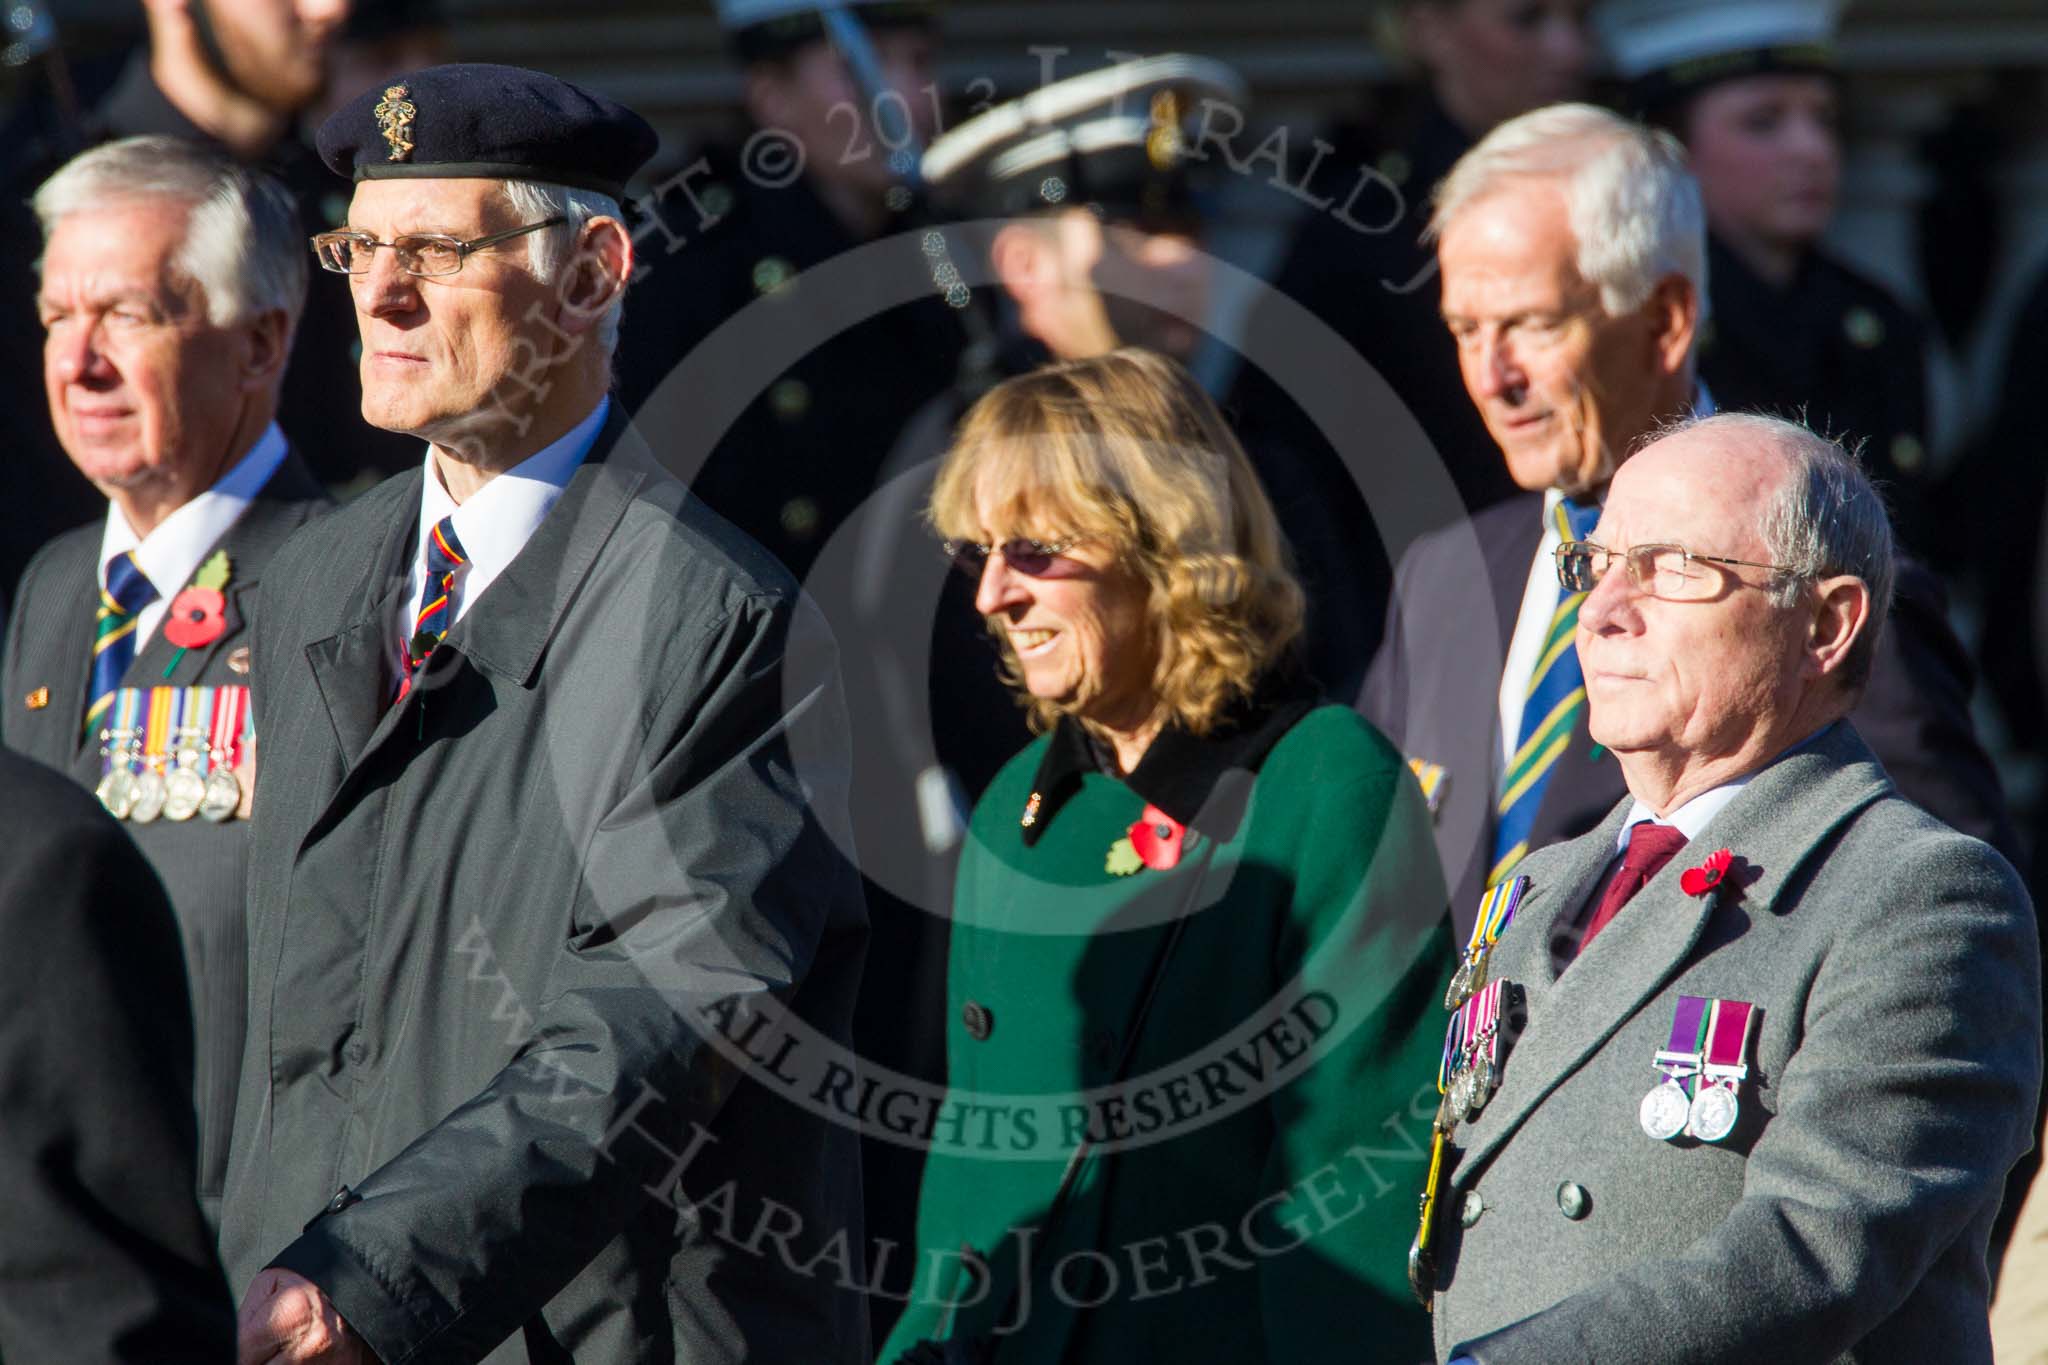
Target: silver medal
1713,1113
223,796
117,792
1664,1110
1461,986
149,797
1482,1085
184,791
1461,1094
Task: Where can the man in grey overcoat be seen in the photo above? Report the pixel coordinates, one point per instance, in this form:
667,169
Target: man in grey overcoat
1772,1037
551,837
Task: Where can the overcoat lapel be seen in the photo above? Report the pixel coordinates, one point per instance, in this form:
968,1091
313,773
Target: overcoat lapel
63,662
507,630
1509,540
349,667
1573,1014
277,510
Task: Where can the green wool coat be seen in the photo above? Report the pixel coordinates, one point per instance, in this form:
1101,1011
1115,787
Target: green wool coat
1256,1195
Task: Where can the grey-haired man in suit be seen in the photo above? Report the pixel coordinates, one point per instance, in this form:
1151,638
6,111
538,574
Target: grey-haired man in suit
1779,1029
171,281
1573,248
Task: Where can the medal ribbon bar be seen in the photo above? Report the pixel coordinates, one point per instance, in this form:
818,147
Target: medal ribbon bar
1728,1041
1496,911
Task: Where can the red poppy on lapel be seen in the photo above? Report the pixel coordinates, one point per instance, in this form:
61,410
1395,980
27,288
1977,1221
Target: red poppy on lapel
1157,838
1698,881
196,619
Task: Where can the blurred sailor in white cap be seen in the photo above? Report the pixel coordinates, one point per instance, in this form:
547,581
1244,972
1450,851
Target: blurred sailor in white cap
1751,88
1091,198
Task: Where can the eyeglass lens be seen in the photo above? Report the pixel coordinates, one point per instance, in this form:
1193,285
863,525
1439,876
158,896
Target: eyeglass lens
1027,557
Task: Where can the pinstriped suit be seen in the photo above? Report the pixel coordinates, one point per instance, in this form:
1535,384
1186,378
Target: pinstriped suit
1434,689
203,865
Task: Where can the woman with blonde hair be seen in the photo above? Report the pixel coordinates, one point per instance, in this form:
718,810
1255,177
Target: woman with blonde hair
1198,928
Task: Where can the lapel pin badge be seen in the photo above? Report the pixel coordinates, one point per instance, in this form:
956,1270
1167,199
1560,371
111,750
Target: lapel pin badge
238,659
38,699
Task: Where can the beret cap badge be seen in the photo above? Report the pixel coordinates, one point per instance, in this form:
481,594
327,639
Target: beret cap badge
394,115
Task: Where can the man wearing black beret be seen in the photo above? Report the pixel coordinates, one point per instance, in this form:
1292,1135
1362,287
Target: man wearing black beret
552,793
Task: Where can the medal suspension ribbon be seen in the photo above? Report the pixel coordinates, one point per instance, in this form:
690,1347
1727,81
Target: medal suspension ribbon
163,718
1714,1105
1496,911
125,729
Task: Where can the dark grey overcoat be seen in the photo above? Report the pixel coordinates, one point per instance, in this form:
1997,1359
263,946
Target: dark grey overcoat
493,928
1891,1086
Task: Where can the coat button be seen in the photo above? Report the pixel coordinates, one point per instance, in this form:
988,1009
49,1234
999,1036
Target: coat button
1573,1201
343,1198
1474,1206
978,1021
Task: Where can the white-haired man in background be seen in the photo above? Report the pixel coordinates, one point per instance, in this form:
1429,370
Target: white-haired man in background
1573,249
171,281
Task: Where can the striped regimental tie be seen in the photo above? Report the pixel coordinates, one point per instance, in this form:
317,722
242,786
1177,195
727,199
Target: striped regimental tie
1557,693
127,591
444,559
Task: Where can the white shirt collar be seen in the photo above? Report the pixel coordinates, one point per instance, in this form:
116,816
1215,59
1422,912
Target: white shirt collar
173,552
1692,817
1689,819
499,518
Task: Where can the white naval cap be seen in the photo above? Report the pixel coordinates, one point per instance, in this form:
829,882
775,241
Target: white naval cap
1649,38
1116,138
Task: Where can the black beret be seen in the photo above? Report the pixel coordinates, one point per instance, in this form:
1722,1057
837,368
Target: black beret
492,122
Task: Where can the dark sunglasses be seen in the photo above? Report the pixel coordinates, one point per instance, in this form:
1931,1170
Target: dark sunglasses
1032,558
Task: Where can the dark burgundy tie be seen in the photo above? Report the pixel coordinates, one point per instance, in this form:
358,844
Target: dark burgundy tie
1650,846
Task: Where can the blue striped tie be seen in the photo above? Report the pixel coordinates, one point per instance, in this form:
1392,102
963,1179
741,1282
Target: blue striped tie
127,592
1557,693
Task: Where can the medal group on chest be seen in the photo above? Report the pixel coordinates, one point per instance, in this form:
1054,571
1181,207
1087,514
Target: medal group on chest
171,753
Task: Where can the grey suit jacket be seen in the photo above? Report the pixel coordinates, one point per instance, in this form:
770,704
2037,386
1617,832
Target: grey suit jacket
493,927
204,866
1891,1086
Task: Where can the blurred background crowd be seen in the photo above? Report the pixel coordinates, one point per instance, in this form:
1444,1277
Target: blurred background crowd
1878,258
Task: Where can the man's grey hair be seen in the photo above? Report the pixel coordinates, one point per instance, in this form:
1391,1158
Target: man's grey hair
244,244
1826,519
549,251
1635,208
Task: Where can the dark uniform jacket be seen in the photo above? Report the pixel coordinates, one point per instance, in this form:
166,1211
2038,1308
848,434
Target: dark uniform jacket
1435,689
503,931
1833,349
1252,1197
804,454
104,1256
203,865
1891,1077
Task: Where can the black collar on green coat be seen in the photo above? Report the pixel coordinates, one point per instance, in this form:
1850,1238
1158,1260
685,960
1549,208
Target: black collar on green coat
1201,781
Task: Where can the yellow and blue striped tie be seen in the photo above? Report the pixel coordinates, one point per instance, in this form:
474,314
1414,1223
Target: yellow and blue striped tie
1557,693
127,592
